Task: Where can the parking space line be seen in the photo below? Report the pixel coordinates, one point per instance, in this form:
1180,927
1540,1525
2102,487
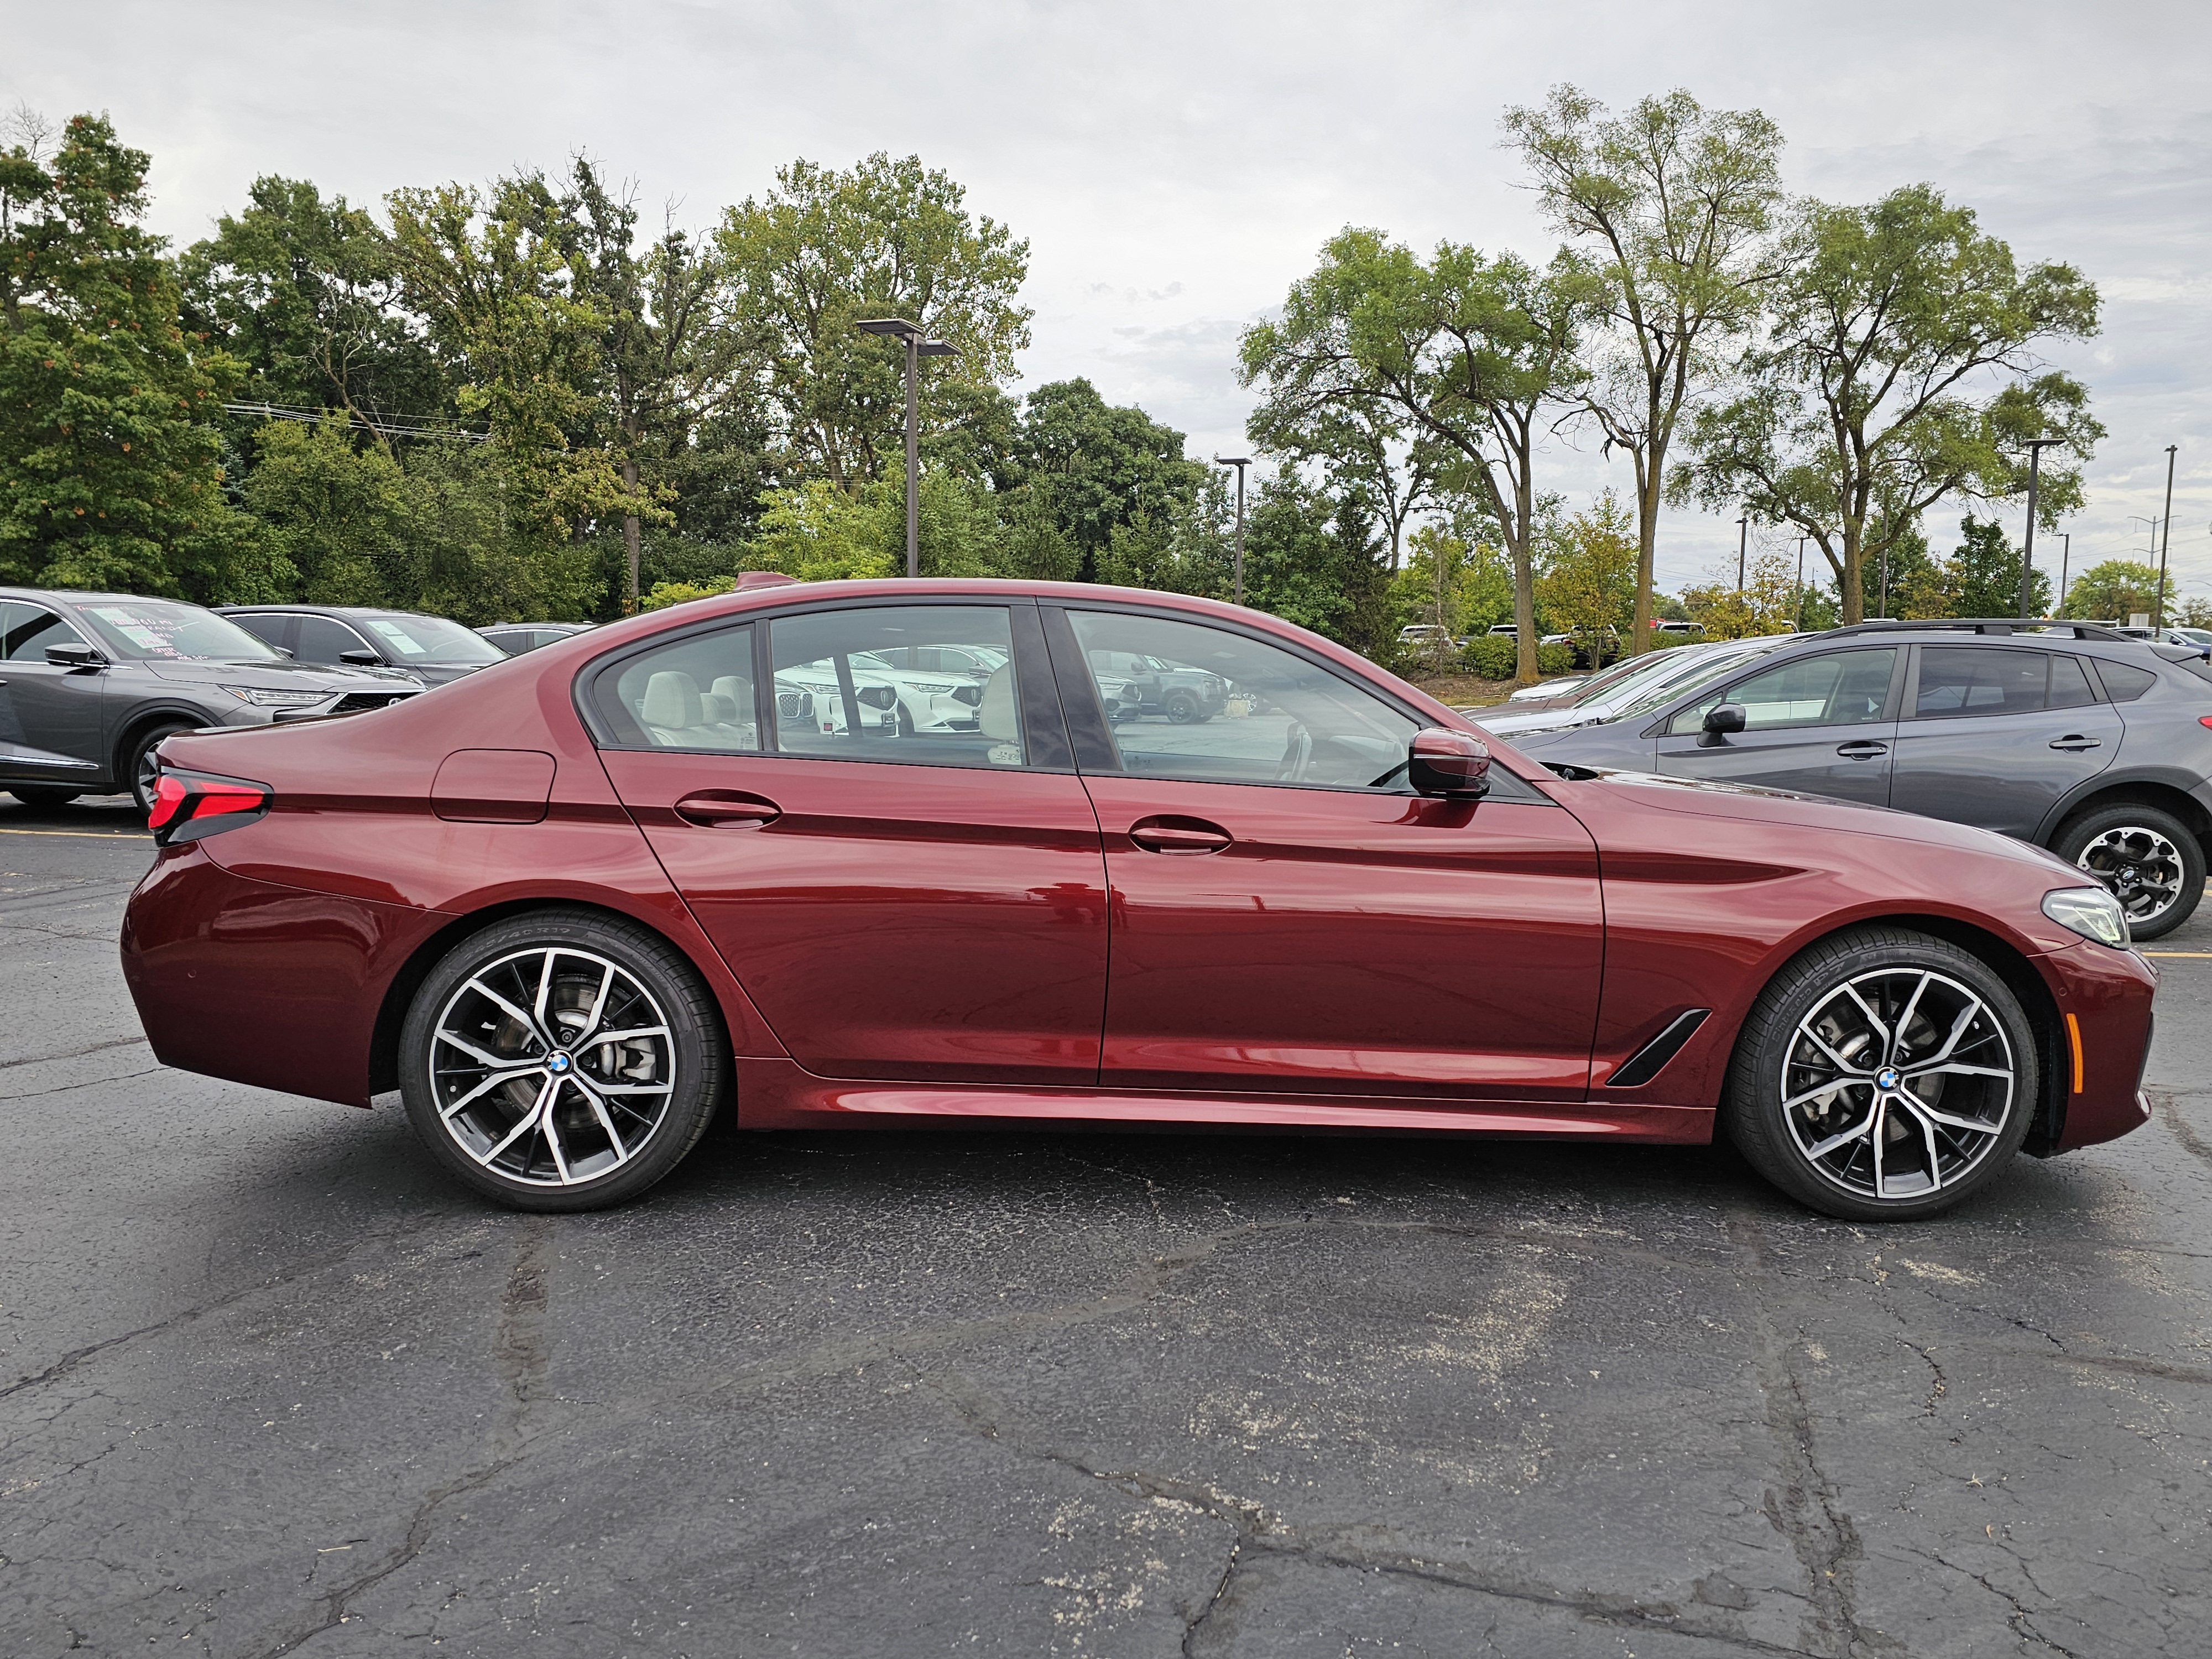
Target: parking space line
83,835
2178,953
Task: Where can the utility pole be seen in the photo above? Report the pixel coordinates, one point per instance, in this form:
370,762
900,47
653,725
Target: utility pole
1240,462
917,346
2035,449
2165,540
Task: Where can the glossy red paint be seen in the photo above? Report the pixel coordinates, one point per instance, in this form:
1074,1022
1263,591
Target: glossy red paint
889,942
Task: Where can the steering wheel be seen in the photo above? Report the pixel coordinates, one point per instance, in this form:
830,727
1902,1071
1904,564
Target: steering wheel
1297,756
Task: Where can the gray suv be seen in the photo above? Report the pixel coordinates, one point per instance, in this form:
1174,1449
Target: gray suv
432,649
90,682
2065,734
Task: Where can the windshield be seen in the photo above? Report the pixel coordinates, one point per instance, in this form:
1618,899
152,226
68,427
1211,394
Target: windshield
1627,671
405,639
163,629
1720,662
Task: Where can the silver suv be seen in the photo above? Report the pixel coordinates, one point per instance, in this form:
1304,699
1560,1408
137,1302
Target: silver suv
2064,734
91,683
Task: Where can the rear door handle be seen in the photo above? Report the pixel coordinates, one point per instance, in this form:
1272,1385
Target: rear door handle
2075,741
1864,749
1178,835
727,809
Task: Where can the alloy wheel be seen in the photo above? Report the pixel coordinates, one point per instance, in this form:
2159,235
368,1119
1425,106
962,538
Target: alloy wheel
2141,867
551,1066
1898,1083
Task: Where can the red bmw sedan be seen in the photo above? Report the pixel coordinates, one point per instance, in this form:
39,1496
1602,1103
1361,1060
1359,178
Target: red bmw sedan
873,854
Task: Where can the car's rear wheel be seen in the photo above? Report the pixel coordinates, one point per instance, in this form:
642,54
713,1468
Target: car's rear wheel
32,795
139,765
1882,1076
561,1060
2146,857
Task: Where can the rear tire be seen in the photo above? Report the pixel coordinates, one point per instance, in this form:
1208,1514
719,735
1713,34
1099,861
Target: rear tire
2147,858
1825,1102
511,1083
31,795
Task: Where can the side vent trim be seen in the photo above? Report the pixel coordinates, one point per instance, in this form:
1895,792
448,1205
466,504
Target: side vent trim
1648,1061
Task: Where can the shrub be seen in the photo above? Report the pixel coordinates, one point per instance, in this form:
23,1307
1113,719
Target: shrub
1490,657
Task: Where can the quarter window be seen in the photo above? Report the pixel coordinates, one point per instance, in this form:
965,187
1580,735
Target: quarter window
695,694
1836,688
2124,683
1190,701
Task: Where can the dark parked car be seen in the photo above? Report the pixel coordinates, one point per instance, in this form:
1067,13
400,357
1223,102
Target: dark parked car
91,683
432,649
572,909
516,638
2067,735
1149,685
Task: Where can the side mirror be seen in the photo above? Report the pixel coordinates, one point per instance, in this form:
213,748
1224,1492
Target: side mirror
75,656
1451,764
361,659
1720,720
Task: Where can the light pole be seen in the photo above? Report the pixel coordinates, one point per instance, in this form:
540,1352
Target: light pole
917,346
1240,462
1801,584
2035,449
2065,558
2165,540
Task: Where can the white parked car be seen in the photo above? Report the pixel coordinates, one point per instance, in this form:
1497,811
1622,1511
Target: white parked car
1660,677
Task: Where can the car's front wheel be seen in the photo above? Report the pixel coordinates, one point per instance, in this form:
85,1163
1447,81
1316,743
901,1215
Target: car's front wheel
1882,1076
139,765
1182,708
2147,858
562,1060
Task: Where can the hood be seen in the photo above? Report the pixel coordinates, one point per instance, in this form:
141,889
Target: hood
281,675
1704,798
1541,718
436,673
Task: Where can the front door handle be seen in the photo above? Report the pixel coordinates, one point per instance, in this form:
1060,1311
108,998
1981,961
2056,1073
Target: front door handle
727,809
1863,749
2074,742
1168,834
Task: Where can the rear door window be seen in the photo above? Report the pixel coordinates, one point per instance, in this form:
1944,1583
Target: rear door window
876,683
1959,682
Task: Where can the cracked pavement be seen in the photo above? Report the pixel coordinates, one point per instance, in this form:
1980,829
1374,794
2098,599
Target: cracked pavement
269,1385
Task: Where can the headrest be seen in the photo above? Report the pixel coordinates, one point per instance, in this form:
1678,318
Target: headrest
672,700
996,717
739,690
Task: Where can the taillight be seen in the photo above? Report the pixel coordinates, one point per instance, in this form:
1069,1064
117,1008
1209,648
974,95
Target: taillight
189,804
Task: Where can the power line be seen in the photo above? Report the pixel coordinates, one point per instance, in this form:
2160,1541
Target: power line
389,426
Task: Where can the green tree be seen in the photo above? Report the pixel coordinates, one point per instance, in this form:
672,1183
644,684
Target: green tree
1101,466
1315,560
2112,591
305,292
1588,582
1469,350
1766,605
1898,367
824,250
110,471
1986,573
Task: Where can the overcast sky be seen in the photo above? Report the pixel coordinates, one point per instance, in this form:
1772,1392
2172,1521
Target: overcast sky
1175,167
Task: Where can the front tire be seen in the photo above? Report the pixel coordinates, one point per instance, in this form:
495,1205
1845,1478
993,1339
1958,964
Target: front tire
561,1060
1883,1076
138,768
1182,708
2147,860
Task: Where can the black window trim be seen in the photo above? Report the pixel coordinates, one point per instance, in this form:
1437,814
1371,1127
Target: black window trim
1042,733
1088,727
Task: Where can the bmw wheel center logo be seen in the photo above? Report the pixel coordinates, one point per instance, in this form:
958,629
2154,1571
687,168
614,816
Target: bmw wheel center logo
1885,1078
557,1064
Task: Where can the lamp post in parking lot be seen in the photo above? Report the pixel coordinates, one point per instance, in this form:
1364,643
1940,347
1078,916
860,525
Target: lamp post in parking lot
917,346
2035,449
2165,540
1240,462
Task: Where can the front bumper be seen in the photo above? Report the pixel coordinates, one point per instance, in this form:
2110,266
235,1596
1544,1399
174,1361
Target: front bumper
2104,998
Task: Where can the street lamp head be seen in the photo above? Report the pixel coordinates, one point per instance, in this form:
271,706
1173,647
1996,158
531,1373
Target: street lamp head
937,348
1232,460
894,326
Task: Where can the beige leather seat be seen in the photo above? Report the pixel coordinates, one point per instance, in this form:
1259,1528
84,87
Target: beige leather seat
998,718
671,709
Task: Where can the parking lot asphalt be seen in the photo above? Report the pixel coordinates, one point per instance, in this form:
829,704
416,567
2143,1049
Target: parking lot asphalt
271,1385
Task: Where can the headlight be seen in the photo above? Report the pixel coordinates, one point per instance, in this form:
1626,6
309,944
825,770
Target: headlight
261,699
2091,912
